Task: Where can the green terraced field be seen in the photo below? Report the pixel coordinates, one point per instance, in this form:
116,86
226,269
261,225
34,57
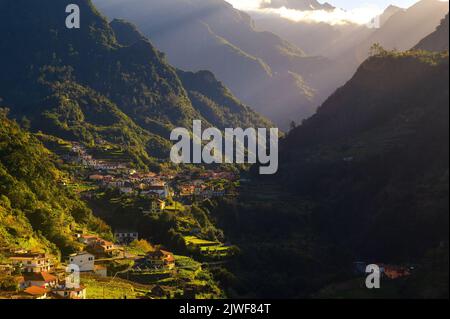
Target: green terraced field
192,240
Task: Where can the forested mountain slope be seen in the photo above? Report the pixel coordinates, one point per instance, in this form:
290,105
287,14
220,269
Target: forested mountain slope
83,84
36,211
376,156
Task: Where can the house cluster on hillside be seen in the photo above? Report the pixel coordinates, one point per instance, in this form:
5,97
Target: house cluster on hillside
155,260
148,184
98,246
159,185
200,191
80,156
37,277
118,176
202,186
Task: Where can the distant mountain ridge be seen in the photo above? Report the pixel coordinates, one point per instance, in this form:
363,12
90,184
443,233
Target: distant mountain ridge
405,28
99,81
303,5
349,45
212,35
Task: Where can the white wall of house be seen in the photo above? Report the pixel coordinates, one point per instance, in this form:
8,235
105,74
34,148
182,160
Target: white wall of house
71,294
84,261
35,265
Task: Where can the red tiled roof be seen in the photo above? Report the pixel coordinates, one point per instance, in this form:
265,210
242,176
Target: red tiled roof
88,236
170,258
36,291
43,276
165,252
105,243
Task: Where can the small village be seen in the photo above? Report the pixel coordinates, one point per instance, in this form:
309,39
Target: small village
142,269
101,265
182,186
41,276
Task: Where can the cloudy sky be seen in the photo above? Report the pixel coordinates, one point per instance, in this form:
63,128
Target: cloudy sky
355,11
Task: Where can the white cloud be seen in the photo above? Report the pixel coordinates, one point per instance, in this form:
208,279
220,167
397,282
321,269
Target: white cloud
337,16
247,4
361,15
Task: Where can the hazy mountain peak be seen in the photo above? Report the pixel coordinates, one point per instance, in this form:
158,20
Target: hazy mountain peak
388,13
405,28
392,9
302,5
